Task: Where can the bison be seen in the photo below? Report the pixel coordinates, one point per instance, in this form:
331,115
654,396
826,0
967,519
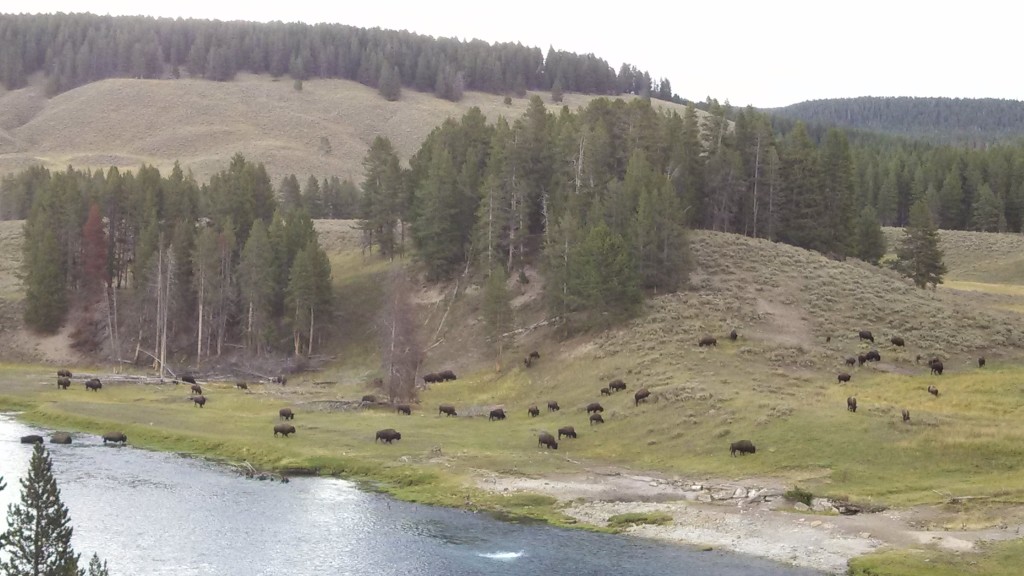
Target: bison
933,391
431,378
733,335
851,404
861,359
115,437
547,440
906,415
596,418
843,377
707,341
533,410
189,378
63,383
897,341
866,335
241,386
64,373
387,435
553,406
197,389
60,438
850,361
616,385
404,409
446,409
605,391
567,431
873,355
32,439
447,375
496,414
369,399
981,362
283,430
594,407
527,361
282,380
199,400
286,414
641,395
94,385
936,366
743,447
534,355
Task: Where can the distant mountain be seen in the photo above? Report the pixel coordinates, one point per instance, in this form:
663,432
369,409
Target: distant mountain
966,121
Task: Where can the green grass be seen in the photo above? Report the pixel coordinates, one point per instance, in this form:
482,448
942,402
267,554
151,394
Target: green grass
636,518
994,559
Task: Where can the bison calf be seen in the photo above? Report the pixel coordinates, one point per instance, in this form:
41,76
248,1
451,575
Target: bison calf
446,409
933,391
743,447
496,414
533,410
606,392
850,361
286,414
388,435
284,429
641,396
241,386
851,404
733,335
567,431
197,389
843,377
596,418
547,440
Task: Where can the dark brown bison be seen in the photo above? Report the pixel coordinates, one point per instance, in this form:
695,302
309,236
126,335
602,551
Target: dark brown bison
496,414
527,361
850,361
616,385
197,389
733,335
906,415
851,404
282,380
431,378
94,385
199,400
32,439
404,409
861,359
843,377
981,362
873,356
115,437
594,407
547,440
447,375
64,373
533,410
60,438
369,399
605,391
866,335
388,435
743,447
446,409
936,366
188,378
897,341
596,418
641,396
567,431
933,391
828,339
284,429
707,341
241,386
63,383
553,406
534,355
286,414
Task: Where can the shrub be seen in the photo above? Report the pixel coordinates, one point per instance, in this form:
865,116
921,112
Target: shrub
798,494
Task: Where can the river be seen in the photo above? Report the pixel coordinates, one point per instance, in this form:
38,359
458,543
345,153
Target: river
152,513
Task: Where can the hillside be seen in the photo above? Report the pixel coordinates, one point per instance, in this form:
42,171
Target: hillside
124,123
971,121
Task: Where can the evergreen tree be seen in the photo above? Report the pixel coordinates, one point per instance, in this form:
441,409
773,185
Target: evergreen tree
38,537
256,282
802,209
312,198
390,83
837,180
46,301
988,214
951,198
497,309
662,251
888,198
97,568
291,195
439,238
918,255
309,295
557,92
607,278
870,242
382,196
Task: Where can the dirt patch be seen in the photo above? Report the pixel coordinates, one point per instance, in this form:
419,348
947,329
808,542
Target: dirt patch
783,324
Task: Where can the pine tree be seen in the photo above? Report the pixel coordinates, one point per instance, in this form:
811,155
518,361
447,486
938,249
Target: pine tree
869,241
97,568
309,295
662,251
919,256
557,92
951,197
497,309
46,301
439,238
802,207
38,538
608,282
256,283
988,215
390,83
837,180
382,196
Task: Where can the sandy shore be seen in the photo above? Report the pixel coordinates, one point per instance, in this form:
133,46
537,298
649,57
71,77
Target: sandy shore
750,517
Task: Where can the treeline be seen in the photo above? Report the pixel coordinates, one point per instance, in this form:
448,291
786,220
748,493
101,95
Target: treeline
973,122
161,264
75,49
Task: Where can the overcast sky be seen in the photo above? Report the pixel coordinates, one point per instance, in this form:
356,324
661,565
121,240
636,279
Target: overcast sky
766,53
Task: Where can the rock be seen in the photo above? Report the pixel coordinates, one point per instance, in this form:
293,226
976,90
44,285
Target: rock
704,497
60,438
653,484
821,505
865,534
800,506
721,495
696,487
816,523
740,493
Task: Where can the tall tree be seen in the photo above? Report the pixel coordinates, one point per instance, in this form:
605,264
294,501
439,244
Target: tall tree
987,214
608,281
869,241
390,83
256,284
382,196
400,349
309,295
802,206
439,238
918,255
662,251
837,182
497,310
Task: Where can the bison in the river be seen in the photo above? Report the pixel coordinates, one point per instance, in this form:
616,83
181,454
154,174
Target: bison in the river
553,406
843,377
707,341
596,418
616,385
496,414
594,407
641,395
533,410
866,335
284,429
199,401
936,366
933,391
851,404
906,415
115,437
387,435
743,447
404,409
567,431
446,409
547,440
32,439
897,341
60,438
94,385
286,414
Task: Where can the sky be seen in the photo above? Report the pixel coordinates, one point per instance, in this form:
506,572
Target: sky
761,53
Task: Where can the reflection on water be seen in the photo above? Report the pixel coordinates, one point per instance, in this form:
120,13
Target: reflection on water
152,513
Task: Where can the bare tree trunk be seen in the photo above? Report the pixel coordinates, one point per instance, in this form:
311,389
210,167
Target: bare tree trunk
251,341
202,312
579,164
159,296
757,168
163,321
309,347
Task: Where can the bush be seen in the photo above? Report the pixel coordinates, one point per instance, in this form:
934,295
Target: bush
798,494
636,518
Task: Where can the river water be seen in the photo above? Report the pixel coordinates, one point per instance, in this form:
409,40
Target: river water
152,513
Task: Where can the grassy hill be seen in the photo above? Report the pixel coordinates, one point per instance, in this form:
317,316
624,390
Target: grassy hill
125,123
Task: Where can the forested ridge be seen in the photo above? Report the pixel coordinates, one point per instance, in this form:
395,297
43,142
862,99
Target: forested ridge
75,49
974,122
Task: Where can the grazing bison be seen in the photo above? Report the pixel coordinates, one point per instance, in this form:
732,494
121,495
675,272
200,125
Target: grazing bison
64,373
189,378
981,362
283,430
94,385
873,355
496,414
553,406
286,414
63,383
616,385
733,335
60,438
606,392
828,339
32,439
387,435
533,410
446,409
431,378
897,341
534,355
850,361
567,431
447,375
866,335
594,407
851,404
641,396
369,398
933,391
843,377
743,447
528,361
596,418
197,389
199,400
404,409
547,440
906,415
936,366
115,437
707,341
861,359
241,386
